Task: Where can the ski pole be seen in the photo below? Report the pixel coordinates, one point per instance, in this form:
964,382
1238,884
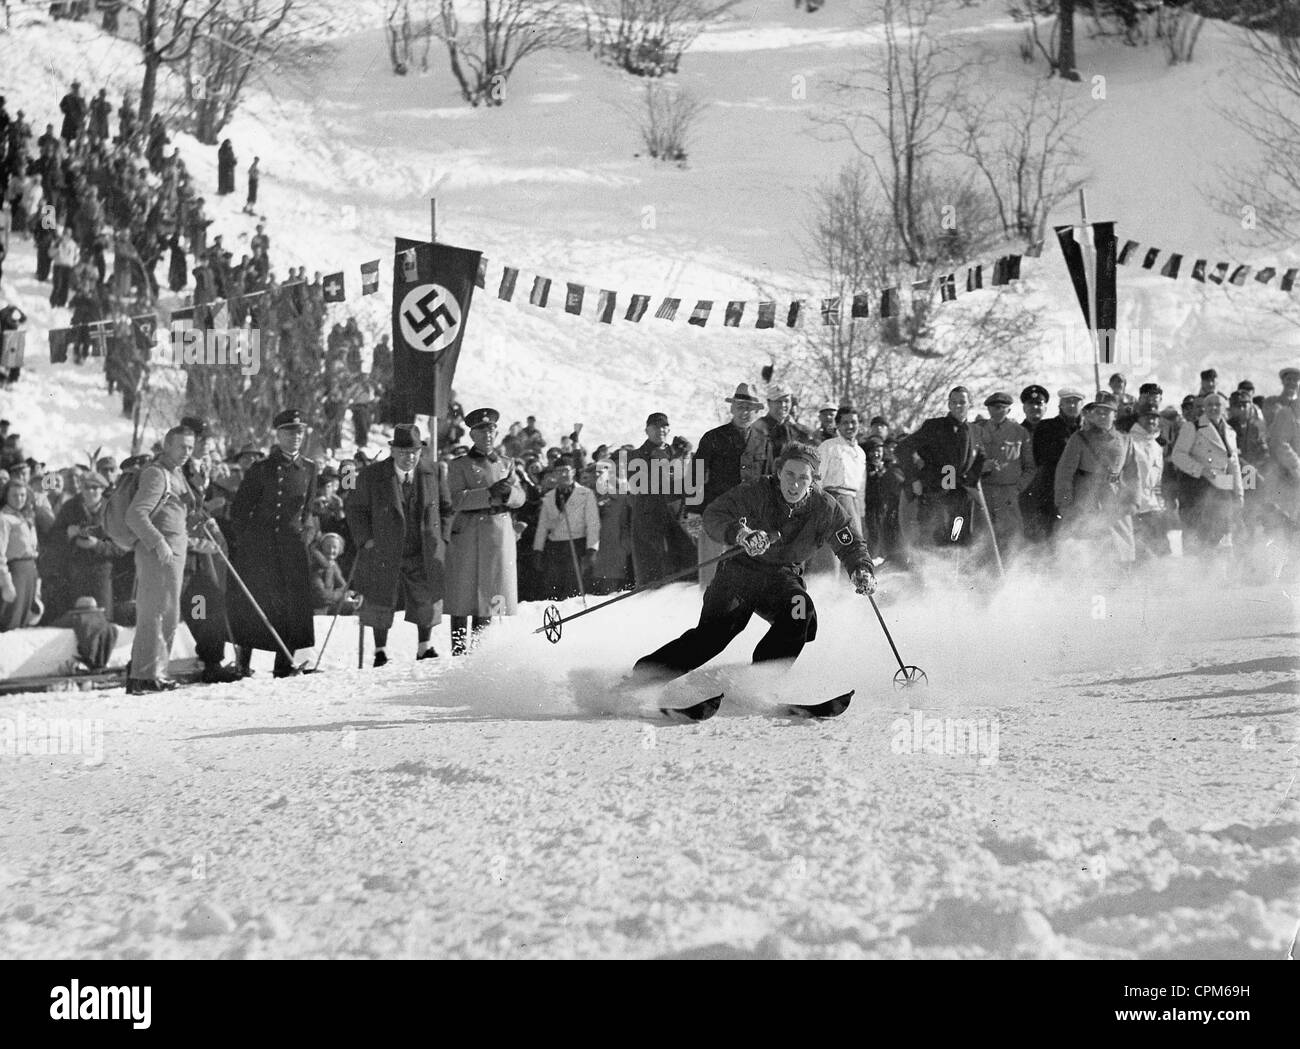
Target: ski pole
577,571
252,600
552,621
343,597
988,523
906,675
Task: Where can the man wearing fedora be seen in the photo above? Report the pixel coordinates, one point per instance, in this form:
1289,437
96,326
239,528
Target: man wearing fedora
730,454
777,425
273,525
660,545
481,554
395,517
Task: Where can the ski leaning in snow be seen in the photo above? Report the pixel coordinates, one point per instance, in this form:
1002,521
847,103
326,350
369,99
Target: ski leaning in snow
706,708
700,711
832,708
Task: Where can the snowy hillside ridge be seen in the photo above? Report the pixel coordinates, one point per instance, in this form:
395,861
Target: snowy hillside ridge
549,183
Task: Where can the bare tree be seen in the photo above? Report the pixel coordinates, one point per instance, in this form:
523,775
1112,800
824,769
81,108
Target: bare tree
245,41
647,37
1032,11
484,54
398,27
903,365
666,120
902,126
1268,110
1026,152
168,30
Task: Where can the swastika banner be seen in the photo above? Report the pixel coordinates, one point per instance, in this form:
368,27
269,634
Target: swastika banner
430,307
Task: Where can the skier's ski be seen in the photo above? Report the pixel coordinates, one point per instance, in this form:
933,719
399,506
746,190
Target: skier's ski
830,709
700,711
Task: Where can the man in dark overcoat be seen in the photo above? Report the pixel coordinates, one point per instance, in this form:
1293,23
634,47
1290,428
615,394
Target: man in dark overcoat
660,545
951,463
395,517
272,522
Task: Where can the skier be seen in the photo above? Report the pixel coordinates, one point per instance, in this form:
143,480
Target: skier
779,522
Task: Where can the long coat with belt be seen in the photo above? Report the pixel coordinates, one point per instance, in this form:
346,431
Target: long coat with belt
375,511
271,519
481,555
1095,488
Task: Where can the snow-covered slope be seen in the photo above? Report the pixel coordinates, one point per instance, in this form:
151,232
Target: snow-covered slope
1107,806
550,182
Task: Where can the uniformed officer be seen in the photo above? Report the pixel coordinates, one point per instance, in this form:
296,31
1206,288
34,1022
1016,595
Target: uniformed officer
481,570
273,526
1033,401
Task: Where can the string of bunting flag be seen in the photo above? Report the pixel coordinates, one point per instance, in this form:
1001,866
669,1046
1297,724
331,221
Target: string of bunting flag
1133,254
512,284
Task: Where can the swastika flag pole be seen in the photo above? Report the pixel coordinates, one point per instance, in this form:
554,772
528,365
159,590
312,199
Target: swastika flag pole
430,308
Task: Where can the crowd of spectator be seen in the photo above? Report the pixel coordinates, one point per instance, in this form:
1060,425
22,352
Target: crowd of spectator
104,202
1115,472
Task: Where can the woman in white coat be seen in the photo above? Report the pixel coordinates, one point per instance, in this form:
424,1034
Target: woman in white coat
1207,453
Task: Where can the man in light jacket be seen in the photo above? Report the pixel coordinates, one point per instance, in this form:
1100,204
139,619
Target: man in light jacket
570,517
1206,452
1150,524
158,517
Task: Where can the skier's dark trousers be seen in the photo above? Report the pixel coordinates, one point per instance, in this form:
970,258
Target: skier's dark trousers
779,522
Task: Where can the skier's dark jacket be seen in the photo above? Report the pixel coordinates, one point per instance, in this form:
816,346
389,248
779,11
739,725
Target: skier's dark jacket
803,528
